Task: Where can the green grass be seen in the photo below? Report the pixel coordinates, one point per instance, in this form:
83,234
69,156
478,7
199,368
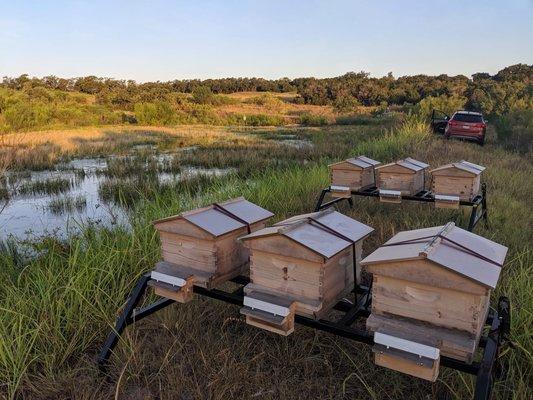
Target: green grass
57,309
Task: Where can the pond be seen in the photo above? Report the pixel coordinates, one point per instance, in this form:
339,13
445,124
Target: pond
57,202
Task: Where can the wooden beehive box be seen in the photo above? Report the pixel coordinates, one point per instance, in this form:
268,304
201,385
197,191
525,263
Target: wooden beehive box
432,287
461,179
302,265
200,247
355,174
403,177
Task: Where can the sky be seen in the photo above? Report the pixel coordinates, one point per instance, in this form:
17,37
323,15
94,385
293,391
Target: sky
164,39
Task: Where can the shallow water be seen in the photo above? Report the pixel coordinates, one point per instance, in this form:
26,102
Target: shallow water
31,215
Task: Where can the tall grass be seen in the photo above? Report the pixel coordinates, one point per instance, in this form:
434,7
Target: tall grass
56,310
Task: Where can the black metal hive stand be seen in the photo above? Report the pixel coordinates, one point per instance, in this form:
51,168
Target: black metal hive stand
486,370
478,203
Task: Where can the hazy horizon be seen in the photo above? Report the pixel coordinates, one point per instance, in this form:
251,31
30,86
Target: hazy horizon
167,40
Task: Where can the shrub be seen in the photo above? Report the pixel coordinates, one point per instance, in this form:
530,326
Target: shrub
515,130
447,104
202,95
266,100
264,120
345,103
313,120
154,113
357,119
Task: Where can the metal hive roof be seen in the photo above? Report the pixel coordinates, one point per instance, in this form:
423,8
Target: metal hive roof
409,163
423,243
464,166
217,223
363,162
303,230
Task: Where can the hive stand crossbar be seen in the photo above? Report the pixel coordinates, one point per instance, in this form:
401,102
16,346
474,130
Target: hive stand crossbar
486,369
478,203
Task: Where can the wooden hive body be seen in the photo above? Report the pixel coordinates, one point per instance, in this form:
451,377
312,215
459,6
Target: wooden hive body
462,179
205,240
406,176
355,173
429,289
297,260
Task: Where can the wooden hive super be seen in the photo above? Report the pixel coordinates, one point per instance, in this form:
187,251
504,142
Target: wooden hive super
460,180
352,174
302,265
403,177
432,287
200,247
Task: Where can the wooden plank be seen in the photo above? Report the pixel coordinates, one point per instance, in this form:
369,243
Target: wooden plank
190,259
427,273
438,306
182,227
303,306
452,172
182,294
260,319
452,343
284,246
368,178
396,181
454,186
351,179
394,168
407,366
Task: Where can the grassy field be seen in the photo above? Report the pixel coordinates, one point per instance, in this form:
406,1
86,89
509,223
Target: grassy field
58,307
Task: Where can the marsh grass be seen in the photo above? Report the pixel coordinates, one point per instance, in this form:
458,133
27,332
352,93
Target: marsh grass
57,310
47,186
67,204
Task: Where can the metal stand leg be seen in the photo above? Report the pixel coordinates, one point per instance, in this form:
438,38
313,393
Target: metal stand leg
473,218
488,369
350,202
321,199
123,320
484,204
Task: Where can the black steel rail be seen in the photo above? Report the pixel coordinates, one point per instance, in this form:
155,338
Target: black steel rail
478,203
499,322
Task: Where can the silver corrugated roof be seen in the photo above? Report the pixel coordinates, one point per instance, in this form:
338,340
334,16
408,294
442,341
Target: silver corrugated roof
363,162
474,168
369,160
308,233
217,223
463,165
412,164
446,253
246,210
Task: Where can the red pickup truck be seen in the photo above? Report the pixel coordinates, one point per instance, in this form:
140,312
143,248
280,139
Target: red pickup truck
463,124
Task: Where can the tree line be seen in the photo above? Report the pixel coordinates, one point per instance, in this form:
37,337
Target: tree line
509,89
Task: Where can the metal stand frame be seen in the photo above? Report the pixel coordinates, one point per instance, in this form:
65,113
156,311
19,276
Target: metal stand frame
485,370
478,204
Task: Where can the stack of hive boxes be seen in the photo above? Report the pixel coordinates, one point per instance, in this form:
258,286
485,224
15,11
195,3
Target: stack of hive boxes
454,182
302,265
352,175
430,296
401,178
200,247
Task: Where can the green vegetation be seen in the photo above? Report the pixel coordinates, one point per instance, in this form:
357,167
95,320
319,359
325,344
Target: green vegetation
47,186
515,130
32,103
313,120
60,205
58,306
